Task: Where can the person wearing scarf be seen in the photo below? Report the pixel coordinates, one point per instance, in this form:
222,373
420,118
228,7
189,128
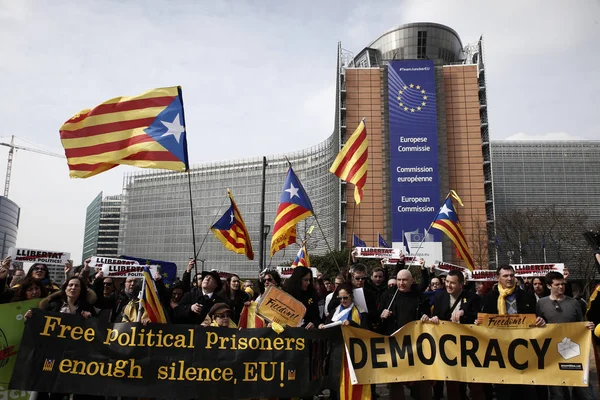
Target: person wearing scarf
346,313
507,298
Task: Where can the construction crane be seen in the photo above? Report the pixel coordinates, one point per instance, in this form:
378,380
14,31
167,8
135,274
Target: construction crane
13,146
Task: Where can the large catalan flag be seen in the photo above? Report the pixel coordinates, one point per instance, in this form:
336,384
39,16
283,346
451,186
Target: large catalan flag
146,131
294,206
351,163
447,221
150,299
231,230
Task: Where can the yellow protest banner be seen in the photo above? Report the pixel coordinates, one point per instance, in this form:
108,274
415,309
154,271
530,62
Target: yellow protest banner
512,321
557,354
278,306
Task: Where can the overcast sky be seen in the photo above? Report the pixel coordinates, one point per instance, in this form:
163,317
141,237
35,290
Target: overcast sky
258,78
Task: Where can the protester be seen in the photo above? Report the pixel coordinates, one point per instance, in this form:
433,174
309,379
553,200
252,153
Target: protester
507,298
73,298
398,308
196,304
391,284
435,287
221,316
483,288
300,286
459,305
339,279
30,289
17,276
115,301
328,285
234,296
539,288
555,309
347,313
40,271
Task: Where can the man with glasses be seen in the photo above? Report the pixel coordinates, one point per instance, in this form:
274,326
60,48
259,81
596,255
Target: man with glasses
555,309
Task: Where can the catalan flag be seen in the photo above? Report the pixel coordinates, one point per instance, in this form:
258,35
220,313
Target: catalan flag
348,391
146,131
351,163
150,300
302,259
294,206
249,318
447,221
231,230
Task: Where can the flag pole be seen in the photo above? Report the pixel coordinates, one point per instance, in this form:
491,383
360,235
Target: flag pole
261,261
352,243
326,242
208,231
192,221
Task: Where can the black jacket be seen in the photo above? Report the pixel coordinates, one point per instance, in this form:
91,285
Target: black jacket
55,301
407,307
116,302
469,302
525,302
183,313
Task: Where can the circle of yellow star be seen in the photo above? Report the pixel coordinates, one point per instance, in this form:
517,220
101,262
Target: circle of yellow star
423,91
412,110
411,86
405,108
424,97
423,103
418,87
405,87
419,108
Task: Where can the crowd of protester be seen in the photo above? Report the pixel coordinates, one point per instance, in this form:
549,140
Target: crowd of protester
392,298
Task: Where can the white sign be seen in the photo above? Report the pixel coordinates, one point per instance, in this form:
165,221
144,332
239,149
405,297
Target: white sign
286,272
38,256
120,268
531,270
377,252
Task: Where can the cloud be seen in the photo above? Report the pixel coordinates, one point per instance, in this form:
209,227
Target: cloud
544,136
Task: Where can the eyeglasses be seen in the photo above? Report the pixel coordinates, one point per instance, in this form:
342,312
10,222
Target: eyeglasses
360,278
39,269
224,315
343,297
268,280
557,306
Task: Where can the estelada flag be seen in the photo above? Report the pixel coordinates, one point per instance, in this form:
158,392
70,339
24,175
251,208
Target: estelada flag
146,131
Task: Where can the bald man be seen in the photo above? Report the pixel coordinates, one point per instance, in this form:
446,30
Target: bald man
408,305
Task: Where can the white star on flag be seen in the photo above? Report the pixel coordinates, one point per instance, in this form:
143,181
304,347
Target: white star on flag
231,218
173,128
293,191
445,210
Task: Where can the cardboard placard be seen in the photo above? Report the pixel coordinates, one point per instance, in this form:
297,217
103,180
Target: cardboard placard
506,321
278,306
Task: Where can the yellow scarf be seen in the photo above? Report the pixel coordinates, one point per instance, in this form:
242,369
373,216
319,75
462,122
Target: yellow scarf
502,298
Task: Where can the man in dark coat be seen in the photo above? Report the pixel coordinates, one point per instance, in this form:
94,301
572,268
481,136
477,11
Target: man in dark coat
508,298
461,306
195,305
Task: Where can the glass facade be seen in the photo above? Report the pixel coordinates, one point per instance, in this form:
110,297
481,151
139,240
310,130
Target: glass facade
156,218
531,174
9,223
425,40
101,237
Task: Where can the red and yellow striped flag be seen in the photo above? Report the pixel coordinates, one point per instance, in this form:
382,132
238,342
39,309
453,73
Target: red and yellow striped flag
351,163
150,299
146,131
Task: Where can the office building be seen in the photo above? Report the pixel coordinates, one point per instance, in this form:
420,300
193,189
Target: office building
102,218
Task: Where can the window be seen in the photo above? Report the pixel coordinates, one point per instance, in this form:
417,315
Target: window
421,44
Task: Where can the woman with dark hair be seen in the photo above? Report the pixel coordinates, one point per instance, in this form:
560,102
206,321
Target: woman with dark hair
539,288
346,313
40,271
300,286
30,289
234,296
269,277
73,298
